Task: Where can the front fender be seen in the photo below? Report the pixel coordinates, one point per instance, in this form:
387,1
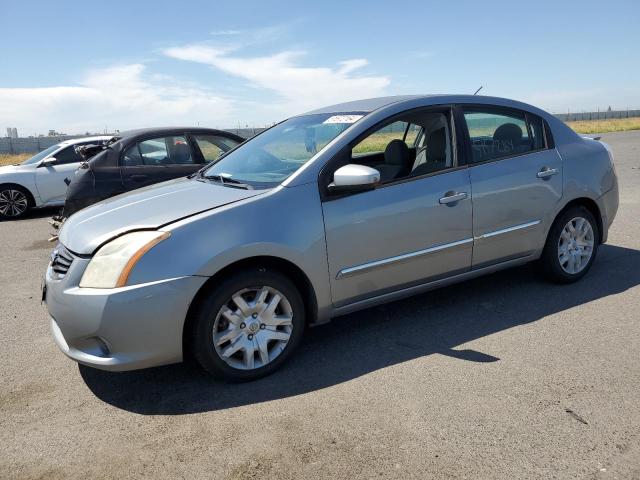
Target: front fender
25,179
286,223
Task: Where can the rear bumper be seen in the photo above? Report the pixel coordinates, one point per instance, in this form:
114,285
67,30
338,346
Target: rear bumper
608,204
122,328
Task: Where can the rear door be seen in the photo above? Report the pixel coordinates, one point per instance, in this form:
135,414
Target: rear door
158,159
516,179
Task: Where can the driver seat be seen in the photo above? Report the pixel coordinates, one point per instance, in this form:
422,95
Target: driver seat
396,161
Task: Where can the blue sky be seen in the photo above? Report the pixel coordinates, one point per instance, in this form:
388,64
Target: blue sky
77,66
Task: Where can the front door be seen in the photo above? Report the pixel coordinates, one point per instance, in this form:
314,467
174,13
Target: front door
414,227
399,235
516,181
50,178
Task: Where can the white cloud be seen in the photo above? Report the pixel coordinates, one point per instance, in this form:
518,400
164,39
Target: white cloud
117,97
129,96
300,88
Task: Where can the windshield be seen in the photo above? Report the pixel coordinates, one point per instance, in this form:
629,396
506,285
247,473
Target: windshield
39,156
269,158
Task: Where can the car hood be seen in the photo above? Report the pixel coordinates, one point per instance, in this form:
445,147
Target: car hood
16,169
146,208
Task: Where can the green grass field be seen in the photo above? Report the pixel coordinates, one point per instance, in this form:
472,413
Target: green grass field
604,126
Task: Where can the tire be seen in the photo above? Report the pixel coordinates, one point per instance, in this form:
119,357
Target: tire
15,202
257,340
567,257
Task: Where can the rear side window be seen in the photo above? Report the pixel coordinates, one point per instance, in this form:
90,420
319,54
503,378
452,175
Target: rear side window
537,131
173,150
212,146
496,134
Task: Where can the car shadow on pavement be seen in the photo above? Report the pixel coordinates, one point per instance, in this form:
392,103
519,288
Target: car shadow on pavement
349,347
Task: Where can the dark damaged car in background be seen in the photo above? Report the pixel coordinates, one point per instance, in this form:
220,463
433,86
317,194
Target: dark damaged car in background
138,158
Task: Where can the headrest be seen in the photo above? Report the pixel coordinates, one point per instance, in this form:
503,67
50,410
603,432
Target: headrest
508,133
181,153
437,145
396,153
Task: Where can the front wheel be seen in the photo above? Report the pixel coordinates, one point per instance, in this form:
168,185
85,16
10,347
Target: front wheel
571,246
246,326
14,202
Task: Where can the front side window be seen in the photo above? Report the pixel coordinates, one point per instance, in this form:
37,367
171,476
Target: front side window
212,146
67,155
496,134
161,151
271,157
378,141
411,147
40,156
132,157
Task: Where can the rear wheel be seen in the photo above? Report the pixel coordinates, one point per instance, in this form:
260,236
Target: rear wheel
248,325
15,201
571,246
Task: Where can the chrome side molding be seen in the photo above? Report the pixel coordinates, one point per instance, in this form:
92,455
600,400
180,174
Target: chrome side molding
347,272
507,230
365,267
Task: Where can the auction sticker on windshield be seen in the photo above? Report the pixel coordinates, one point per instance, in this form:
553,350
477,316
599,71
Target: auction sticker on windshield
343,119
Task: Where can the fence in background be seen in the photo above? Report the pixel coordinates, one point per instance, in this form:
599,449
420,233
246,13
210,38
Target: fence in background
604,115
37,144
31,145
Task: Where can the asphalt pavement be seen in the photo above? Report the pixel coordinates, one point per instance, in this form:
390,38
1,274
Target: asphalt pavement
505,376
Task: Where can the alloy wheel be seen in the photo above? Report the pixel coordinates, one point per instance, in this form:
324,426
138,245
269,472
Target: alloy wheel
253,327
575,245
13,203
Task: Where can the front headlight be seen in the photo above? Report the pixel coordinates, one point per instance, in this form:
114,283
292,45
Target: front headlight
111,265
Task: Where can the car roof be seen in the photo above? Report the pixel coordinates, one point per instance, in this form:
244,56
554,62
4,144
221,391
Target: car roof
365,105
74,141
369,105
168,130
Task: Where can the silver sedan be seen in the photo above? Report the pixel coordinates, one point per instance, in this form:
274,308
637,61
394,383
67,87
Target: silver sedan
323,214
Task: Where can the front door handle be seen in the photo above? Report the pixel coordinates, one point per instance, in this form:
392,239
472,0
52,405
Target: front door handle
547,172
452,197
139,178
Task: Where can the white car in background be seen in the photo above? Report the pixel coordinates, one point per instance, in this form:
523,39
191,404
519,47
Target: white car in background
40,180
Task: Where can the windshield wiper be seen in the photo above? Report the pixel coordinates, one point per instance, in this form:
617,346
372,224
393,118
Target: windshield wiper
228,182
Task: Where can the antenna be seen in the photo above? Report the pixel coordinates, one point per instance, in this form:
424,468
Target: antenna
476,92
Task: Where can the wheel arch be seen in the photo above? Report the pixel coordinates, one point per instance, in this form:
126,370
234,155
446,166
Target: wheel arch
300,279
31,197
590,205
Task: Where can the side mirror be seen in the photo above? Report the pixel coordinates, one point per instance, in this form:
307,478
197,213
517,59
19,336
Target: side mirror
47,162
354,178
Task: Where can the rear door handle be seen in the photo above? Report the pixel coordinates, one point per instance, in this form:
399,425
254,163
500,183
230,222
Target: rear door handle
452,197
547,172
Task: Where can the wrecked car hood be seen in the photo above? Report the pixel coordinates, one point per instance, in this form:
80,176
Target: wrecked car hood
146,208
